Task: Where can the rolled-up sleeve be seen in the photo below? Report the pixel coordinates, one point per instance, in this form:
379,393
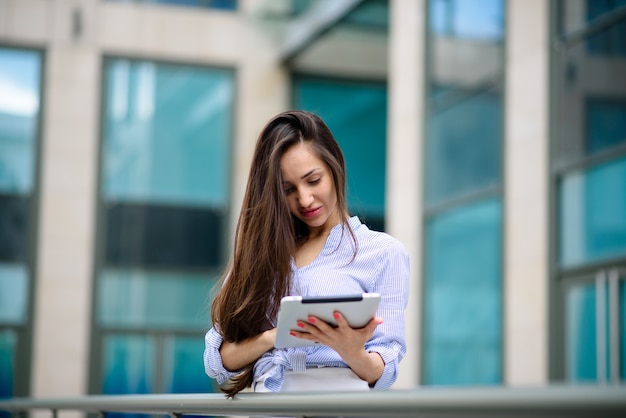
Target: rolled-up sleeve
389,339
213,365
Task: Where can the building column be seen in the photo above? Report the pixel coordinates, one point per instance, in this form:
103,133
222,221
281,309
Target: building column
405,139
526,182
68,184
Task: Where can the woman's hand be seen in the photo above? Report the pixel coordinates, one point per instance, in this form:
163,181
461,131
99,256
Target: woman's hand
348,342
240,354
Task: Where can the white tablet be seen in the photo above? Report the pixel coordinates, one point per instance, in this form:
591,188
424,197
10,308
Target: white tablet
357,309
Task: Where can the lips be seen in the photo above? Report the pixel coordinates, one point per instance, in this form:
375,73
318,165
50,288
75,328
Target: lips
311,213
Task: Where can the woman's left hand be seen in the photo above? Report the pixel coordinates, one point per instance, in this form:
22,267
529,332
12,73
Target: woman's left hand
348,342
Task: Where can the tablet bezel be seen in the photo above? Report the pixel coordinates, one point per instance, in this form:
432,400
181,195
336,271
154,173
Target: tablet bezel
358,310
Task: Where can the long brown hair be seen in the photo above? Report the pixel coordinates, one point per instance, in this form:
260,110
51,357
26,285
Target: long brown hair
267,234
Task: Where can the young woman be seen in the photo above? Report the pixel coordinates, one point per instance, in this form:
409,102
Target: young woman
294,236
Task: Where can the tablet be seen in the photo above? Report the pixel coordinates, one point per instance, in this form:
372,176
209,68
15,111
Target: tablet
357,309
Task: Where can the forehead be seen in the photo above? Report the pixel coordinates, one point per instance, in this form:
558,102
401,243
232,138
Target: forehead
299,160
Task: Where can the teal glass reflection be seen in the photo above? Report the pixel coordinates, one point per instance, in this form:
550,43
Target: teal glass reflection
181,371
592,208
213,4
606,124
463,300
141,299
472,19
13,293
19,113
167,130
581,333
612,40
8,347
463,148
356,113
128,364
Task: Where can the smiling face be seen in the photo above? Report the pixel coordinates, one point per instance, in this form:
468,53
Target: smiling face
309,188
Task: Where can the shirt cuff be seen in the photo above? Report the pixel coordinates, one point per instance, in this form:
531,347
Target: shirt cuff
213,365
391,356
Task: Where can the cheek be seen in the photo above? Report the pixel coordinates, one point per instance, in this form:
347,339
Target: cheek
292,203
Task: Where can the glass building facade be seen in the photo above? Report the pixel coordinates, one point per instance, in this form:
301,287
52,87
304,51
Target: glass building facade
20,116
462,338
164,204
589,181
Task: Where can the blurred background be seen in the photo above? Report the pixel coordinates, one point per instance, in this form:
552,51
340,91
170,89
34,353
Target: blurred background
489,136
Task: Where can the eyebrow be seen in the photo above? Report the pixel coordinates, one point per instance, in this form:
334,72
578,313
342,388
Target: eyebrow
305,175
309,173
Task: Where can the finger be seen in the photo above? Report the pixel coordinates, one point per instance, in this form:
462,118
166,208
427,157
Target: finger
340,319
371,326
317,324
302,335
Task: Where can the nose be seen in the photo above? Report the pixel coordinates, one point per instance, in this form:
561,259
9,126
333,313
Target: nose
305,198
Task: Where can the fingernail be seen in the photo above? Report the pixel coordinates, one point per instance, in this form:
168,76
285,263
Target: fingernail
336,315
311,319
300,324
293,334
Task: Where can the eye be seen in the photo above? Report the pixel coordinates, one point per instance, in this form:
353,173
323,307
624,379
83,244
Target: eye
315,181
289,190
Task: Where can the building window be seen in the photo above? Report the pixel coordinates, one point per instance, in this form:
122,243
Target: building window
210,4
589,184
462,335
163,217
612,41
20,92
356,113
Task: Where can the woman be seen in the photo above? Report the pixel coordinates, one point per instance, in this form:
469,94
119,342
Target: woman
294,237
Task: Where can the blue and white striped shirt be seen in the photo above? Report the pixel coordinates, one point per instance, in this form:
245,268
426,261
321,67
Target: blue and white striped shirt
381,265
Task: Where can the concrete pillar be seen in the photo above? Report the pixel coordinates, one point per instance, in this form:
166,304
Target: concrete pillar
405,144
69,149
526,182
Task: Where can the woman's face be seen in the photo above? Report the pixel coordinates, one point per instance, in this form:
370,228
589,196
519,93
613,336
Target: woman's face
309,187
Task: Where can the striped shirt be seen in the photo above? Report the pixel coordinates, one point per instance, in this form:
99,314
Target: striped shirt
381,265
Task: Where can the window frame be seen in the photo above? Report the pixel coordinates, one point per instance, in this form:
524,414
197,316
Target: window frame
561,278
98,333
25,338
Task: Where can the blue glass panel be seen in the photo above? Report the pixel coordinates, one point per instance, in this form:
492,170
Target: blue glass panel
606,124
14,227
181,368
213,4
612,40
128,364
167,130
8,344
581,333
13,293
463,148
153,300
164,237
592,207
19,109
463,301
356,113
474,19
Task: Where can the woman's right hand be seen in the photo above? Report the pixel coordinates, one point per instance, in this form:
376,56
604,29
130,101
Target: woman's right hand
236,355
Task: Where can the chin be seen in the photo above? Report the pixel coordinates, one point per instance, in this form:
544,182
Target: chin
314,223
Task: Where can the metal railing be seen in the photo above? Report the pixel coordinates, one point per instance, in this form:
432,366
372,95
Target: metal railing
552,401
